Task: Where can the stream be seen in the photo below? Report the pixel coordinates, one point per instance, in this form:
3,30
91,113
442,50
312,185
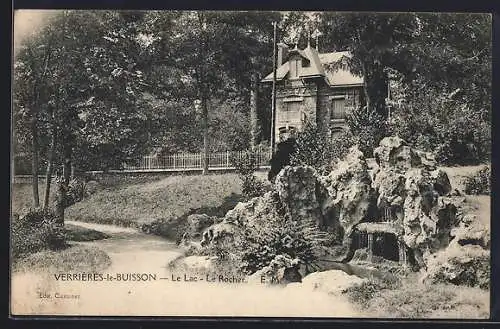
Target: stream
139,255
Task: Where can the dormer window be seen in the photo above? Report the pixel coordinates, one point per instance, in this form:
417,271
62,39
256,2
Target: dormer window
305,62
294,68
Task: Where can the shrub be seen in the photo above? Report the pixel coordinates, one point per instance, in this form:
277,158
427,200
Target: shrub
36,231
364,293
368,127
313,148
433,121
480,183
257,244
76,191
245,167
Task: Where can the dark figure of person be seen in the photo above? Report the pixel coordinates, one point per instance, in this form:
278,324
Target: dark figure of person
281,158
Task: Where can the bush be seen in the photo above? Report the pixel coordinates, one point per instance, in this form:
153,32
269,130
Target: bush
36,231
368,128
364,293
480,183
245,167
432,121
76,191
313,148
257,244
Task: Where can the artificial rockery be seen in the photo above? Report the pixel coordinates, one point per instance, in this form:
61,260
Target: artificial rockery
403,208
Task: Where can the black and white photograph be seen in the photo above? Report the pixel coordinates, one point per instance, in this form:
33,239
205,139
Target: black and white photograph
284,164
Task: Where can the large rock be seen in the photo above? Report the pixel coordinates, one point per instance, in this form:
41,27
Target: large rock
461,265
296,188
192,265
413,193
220,233
253,210
394,153
197,223
349,196
470,231
466,260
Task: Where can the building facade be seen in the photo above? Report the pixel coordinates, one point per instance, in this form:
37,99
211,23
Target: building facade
307,89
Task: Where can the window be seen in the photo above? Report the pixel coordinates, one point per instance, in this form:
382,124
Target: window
338,109
290,110
305,62
294,68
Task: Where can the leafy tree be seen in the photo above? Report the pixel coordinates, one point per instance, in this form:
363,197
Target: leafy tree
376,42
450,89
95,106
215,57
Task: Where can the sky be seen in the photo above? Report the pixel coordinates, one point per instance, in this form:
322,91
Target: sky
27,22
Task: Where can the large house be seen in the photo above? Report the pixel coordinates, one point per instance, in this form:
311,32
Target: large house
307,90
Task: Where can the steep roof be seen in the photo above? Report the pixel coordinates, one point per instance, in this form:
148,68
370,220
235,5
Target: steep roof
318,68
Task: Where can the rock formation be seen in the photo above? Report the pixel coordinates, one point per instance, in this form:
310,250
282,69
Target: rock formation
466,260
404,196
349,196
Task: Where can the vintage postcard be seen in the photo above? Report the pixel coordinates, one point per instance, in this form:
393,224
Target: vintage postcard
251,163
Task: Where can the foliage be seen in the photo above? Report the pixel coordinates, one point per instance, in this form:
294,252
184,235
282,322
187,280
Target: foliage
365,292
375,42
34,231
246,165
368,127
76,191
314,148
295,240
434,122
342,142
480,183
410,299
259,242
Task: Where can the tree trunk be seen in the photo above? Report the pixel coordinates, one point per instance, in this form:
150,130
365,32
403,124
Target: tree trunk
48,176
254,121
204,119
375,87
365,87
67,164
59,202
34,161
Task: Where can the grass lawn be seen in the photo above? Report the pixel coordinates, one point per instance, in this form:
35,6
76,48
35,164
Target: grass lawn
412,299
78,233
129,204
458,175
22,196
72,259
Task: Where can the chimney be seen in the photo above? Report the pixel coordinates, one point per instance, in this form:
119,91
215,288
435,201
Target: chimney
282,53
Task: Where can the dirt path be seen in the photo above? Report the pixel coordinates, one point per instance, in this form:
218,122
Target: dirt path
134,252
